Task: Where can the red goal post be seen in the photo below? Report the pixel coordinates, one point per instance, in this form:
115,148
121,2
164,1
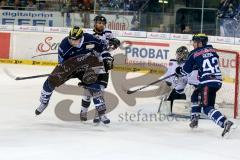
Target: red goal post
228,95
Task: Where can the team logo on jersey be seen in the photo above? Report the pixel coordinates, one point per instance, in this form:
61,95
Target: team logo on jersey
90,46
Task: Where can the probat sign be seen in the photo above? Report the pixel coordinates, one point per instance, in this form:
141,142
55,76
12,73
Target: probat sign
147,51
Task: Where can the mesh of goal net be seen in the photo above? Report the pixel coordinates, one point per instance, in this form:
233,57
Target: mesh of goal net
227,100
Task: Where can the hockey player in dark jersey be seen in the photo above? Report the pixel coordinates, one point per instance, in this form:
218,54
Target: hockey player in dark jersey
77,45
101,32
206,60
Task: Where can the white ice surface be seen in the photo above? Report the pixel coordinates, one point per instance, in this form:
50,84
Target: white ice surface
23,136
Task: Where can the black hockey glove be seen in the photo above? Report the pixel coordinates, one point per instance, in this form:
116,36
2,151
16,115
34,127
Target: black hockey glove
114,43
178,71
107,61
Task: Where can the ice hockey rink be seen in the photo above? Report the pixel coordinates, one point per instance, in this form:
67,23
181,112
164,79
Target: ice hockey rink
25,136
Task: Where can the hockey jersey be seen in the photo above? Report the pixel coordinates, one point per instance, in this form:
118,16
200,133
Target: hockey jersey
106,35
206,61
179,83
88,44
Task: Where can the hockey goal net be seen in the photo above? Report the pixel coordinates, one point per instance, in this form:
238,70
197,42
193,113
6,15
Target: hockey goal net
227,99
228,96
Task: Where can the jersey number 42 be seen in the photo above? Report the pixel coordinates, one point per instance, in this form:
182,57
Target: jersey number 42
211,65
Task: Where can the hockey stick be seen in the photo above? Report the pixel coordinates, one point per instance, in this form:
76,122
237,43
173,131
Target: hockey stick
160,105
28,77
39,76
44,54
32,77
157,81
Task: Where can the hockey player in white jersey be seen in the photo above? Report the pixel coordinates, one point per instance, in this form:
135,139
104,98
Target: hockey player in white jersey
177,83
107,36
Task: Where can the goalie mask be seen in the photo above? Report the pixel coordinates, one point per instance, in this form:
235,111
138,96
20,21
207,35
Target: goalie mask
182,54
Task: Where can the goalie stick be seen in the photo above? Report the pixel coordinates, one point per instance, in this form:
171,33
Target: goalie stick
157,81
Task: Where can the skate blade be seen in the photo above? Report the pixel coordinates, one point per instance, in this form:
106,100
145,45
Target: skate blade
97,124
101,124
232,130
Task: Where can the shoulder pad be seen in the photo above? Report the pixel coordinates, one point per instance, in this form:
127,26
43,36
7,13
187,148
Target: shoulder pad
106,30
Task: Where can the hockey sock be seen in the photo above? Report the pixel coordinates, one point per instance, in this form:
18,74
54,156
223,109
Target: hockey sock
215,115
196,110
46,92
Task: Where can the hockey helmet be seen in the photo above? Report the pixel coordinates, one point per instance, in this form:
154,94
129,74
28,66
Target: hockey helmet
101,19
201,37
75,33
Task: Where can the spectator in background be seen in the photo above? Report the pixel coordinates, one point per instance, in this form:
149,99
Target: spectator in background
20,4
87,5
17,4
115,4
126,5
103,4
30,6
187,30
41,4
228,15
162,28
135,24
75,5
3,4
